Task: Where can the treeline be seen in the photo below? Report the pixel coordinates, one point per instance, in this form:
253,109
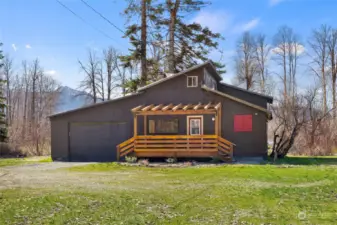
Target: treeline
30,97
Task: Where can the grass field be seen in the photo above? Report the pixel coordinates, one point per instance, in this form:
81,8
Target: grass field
21,161
234,194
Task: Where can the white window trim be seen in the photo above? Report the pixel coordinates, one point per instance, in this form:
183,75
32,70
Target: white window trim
196,78
201,124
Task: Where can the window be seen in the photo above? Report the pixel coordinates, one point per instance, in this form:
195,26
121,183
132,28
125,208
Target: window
192,81
169,126
209,80
243,123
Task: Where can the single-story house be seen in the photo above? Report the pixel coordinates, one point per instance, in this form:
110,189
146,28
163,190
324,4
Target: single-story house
187,114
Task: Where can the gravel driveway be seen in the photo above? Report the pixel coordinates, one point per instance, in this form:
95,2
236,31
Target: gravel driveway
34,175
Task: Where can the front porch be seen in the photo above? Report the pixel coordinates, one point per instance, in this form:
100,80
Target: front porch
194,143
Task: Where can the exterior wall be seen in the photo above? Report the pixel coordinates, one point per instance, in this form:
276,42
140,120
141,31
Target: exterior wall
172,91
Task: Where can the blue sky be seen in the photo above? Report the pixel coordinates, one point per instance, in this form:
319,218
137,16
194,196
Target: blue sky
44,29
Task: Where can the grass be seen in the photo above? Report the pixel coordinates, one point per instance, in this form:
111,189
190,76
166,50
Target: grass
22,161
307,160
108,193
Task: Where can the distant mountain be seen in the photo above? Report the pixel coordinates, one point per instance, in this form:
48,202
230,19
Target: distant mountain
71,99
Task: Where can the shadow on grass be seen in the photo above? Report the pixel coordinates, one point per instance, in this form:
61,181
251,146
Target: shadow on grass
306,160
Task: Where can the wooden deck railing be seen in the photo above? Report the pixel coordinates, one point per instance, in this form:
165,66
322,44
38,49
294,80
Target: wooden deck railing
176,145
125,148
225,147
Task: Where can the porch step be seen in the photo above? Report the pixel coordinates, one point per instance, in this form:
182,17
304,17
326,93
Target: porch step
225,157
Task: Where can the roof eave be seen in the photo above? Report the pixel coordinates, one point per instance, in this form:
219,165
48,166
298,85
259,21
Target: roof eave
267,112
269,99
94,105
207,63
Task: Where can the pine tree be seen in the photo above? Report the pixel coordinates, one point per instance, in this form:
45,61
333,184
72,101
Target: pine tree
188,42
3,124
171,44
141,38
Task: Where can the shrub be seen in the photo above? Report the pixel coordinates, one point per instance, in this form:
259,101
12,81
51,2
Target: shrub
10,150
188,163
216,159
144,162
131,159
171,160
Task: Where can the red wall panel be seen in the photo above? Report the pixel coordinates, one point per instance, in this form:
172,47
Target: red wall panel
243,123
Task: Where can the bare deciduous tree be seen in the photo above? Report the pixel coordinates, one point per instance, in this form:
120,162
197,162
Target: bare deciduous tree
91,69
33,97
332,51
108,55
246,65
8,72
319,46
291,117
287,52
262,56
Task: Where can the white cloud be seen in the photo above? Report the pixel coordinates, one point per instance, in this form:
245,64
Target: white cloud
28,46
294,47
216,21
275,2
14,47
50,72
247,26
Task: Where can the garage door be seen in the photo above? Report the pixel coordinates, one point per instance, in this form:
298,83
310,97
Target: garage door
95,142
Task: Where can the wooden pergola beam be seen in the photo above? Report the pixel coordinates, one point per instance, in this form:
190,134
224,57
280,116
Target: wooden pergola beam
177,107
137,108
178,112
158,107
167,107
208,105
197,106
217,106
146,108
186,107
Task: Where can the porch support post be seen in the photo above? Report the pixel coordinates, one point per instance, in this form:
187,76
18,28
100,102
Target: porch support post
216,123
135,127
145,125
220,115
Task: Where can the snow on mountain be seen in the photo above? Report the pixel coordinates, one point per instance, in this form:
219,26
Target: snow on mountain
71,99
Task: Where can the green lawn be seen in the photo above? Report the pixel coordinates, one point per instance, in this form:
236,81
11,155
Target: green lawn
21,161
234,194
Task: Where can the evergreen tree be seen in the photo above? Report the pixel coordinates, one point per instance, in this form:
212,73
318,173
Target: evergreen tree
3,124
188,42
142,37
171,43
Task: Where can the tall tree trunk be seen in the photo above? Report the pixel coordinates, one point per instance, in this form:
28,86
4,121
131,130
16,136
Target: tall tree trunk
173,20
143,44
285,77
93,83
334,76
325,106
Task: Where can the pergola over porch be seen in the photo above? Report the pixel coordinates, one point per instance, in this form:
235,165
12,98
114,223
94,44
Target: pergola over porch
179,109
177,145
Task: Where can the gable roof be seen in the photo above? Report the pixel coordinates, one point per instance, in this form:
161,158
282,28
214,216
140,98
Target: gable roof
207,64
267,97
95,104
267,112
